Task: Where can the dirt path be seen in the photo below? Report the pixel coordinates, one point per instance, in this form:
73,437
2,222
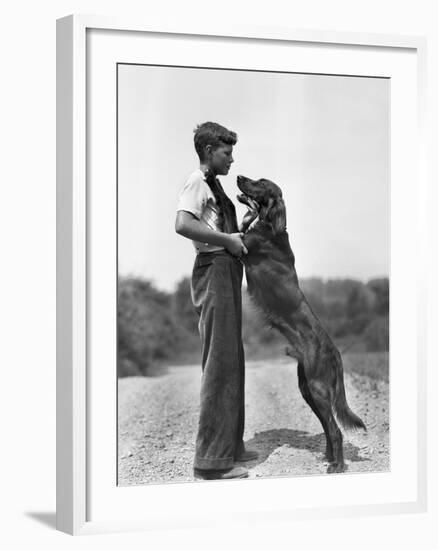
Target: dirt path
158,419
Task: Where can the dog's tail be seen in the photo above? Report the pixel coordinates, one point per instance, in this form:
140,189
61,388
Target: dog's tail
344,414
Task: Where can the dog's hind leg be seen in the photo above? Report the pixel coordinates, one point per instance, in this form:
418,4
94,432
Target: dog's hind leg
305,392
322,401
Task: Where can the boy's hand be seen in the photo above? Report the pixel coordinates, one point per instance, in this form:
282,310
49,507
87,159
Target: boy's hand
235,244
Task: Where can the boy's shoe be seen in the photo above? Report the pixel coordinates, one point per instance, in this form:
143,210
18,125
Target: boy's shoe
238,472
247,455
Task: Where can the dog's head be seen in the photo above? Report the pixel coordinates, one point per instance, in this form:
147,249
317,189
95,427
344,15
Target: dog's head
264,196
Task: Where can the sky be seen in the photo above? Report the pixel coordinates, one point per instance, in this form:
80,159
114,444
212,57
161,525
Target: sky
323,139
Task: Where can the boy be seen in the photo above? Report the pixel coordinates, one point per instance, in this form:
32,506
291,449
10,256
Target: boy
207,216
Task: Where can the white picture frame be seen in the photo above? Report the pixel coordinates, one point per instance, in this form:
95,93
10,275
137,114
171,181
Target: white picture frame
76,442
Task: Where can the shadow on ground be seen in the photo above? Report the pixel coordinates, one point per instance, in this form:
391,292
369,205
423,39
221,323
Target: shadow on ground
46,518
266,442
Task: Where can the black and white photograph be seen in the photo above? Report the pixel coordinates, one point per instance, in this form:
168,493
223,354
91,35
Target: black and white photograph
219,292
253,256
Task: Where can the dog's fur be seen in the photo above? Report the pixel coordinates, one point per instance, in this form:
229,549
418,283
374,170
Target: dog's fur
273,284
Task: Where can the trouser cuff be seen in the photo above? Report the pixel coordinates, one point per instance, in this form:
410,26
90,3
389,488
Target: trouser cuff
213,463
240,449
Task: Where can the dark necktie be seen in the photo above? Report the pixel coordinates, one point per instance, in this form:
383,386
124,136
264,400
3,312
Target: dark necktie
225,205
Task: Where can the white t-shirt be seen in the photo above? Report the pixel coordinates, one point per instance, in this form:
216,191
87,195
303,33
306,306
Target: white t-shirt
197,198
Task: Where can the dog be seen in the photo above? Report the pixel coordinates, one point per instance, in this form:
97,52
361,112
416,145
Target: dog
273,285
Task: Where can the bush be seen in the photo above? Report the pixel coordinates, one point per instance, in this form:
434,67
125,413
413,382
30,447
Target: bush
162,327
183,306
376,335
146,328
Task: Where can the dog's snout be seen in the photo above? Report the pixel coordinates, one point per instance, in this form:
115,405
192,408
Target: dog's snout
241,181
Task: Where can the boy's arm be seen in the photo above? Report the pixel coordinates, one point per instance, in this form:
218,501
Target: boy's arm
189,226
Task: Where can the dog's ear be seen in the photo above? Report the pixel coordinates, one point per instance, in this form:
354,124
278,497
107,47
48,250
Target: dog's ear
274,213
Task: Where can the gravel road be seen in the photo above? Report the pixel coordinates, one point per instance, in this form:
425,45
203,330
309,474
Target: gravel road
158,419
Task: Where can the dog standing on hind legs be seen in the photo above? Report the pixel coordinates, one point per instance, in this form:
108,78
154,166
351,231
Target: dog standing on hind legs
273,285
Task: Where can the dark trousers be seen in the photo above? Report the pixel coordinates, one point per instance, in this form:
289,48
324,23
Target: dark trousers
217,297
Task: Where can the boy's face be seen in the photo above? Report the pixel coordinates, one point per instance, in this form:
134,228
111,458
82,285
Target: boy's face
219,159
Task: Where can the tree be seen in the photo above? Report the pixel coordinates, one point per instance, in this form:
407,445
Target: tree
146,328
380,288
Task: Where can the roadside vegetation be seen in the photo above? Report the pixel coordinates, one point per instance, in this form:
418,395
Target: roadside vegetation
157,328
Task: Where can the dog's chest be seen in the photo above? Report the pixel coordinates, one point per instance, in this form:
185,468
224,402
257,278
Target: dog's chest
270,275
268,252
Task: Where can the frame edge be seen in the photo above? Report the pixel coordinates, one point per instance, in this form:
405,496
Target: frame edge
71,487
253,32
70,278
422,336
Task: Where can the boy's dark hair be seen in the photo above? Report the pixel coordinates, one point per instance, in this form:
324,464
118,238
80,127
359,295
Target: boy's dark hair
211,133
